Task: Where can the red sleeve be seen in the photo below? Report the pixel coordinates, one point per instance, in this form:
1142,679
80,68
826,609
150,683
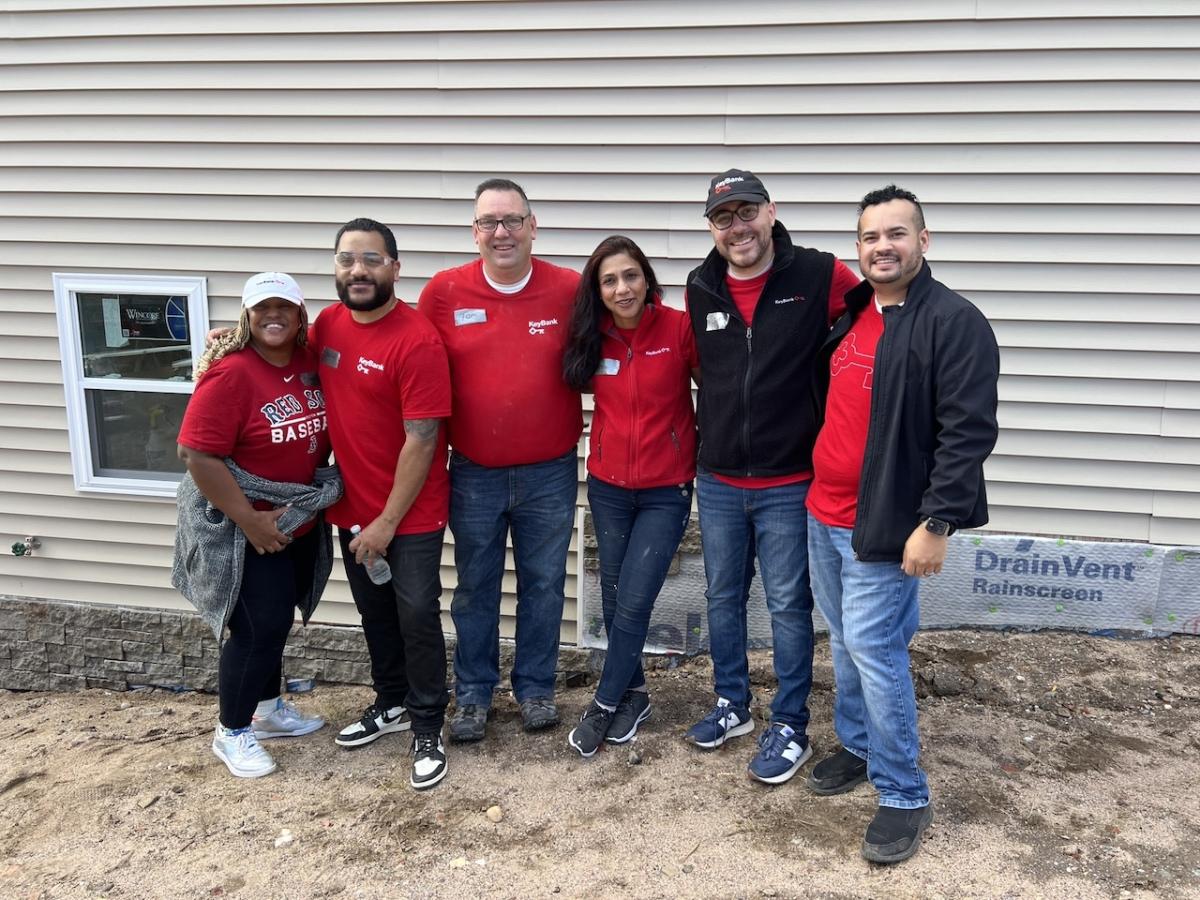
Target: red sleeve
424,382
209,423
314,336
427,302
842,281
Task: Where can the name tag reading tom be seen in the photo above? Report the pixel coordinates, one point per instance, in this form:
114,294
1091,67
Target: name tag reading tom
608,367
470,316
717,321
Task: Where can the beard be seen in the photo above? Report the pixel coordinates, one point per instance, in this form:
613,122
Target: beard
383,293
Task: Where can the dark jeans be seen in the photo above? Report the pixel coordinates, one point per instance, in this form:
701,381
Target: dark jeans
251,667
402,623
537,502
637,534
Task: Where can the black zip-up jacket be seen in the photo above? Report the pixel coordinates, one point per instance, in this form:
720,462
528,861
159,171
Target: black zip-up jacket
933,415
756,412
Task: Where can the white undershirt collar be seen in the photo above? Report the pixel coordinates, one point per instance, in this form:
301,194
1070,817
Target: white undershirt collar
514,288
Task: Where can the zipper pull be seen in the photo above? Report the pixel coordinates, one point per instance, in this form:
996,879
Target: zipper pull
749,333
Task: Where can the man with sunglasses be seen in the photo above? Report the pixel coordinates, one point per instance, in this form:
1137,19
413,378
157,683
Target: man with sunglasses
385,368
514,429
760,307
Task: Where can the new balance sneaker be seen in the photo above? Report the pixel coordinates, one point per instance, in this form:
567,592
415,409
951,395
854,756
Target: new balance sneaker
285,721
469,723
429,760
836,774
723,722
781,753
632,711
895,834
538,713
588,735
374,724
241,752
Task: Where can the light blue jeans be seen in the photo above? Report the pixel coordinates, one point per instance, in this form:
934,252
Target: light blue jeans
873,612
537,502
738,525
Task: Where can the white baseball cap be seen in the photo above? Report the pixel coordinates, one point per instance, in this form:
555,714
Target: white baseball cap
266,285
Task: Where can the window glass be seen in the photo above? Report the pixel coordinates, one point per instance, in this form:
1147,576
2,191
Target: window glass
135,336
133,433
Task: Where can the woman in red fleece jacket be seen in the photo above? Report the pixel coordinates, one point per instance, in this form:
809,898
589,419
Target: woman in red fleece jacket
638,357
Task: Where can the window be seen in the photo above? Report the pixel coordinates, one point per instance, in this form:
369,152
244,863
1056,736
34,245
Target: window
128,346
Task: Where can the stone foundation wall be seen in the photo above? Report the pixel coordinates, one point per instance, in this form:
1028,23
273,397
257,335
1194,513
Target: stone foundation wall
50,645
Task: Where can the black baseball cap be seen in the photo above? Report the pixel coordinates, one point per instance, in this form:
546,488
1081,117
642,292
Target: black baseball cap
735,184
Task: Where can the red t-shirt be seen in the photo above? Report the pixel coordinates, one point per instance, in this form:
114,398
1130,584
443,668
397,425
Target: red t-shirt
269,419
745,293
838,455
375,376
511,404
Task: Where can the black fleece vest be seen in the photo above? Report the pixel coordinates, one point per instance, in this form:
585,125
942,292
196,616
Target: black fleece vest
756,412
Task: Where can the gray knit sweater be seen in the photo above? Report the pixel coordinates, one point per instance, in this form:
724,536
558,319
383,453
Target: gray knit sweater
210,549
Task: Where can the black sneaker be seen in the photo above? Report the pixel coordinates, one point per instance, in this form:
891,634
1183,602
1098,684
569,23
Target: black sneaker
539,713
895,834
588,735
632,711
469,723
838,773
374,724
429,760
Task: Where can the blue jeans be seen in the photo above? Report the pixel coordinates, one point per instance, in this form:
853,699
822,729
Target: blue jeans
537,502
637,534
736,524
873,612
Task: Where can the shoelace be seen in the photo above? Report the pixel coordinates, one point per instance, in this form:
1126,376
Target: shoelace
775,743
717,715
595,711
371,713
424,743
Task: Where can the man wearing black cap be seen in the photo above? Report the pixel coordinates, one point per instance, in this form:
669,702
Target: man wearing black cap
760,308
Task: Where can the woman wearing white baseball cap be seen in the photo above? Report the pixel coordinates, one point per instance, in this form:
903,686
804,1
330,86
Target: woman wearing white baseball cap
255,443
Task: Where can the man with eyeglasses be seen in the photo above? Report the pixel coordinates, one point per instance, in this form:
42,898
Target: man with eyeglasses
760,307
385,369
514,429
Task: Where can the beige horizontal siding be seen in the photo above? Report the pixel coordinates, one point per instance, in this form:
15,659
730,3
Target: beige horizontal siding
1054,147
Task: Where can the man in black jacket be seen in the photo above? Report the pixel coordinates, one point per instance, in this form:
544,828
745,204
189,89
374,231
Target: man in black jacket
760,307
908,376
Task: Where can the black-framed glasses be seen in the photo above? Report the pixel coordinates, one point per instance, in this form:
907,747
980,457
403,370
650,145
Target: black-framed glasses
372,260
511,223
747,212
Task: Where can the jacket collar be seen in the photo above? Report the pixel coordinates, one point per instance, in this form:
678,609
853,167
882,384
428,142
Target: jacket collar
859,296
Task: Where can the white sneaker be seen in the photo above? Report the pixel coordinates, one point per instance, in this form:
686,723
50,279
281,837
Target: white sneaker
240,750
429,761
285,721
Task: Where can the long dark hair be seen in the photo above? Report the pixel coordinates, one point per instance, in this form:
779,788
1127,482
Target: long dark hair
582,355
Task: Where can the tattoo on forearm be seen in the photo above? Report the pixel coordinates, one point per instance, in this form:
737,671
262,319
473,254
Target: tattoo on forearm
421,429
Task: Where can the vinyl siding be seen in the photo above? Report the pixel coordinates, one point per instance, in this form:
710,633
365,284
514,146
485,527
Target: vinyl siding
1055,149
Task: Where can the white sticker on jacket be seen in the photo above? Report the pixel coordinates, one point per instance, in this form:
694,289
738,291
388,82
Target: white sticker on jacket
609,367
717,321
470,316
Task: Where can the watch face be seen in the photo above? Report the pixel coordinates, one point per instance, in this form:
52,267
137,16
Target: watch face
937,526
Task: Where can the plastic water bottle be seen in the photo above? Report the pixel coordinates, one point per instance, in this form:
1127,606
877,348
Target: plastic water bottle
377,567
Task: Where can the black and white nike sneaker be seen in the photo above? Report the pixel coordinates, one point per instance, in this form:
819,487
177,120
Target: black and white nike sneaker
374,724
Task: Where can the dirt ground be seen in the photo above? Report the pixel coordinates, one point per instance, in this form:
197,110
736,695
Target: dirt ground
1062,766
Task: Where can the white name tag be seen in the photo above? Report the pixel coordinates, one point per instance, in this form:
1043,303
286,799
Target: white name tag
470,316
717,321
609,367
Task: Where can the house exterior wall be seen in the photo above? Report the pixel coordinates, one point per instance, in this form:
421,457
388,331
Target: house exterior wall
1054,146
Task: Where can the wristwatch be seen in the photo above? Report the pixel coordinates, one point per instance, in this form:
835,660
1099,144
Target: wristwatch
940,527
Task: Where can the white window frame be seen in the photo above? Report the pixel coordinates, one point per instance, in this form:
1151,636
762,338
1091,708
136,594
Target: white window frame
66,287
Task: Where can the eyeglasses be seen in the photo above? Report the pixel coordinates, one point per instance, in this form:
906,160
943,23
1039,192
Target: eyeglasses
370,259
747,212
512,224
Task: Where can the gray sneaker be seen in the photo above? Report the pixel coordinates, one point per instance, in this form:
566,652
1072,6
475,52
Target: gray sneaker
469,723
538,713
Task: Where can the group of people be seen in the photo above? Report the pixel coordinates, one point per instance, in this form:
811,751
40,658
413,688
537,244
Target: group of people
839,438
